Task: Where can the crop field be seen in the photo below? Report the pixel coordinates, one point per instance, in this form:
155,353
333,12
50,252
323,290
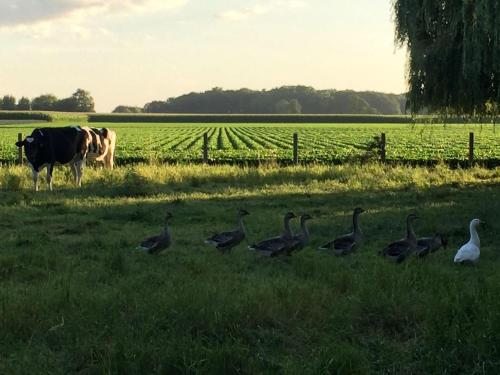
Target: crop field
77,298
143,142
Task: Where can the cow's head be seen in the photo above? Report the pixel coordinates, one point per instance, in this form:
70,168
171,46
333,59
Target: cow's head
33,145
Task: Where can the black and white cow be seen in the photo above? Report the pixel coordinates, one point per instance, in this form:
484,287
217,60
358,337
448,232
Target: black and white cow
46,147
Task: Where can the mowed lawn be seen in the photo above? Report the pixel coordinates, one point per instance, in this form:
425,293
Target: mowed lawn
76,298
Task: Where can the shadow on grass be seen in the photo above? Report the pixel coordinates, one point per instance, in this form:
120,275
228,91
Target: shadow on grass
68,256
447,208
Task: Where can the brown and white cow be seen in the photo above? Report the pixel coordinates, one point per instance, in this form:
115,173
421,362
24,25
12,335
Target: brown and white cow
46,147
100,145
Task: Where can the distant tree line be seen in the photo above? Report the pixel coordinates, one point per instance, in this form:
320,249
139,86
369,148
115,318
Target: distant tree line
127,109
80,101
282,100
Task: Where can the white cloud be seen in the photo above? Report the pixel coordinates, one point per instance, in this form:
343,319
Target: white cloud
18,15
259,9
295,3
240,14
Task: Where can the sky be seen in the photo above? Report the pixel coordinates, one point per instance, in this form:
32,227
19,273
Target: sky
131,52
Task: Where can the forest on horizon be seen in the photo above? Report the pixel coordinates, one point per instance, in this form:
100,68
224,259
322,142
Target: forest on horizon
282,100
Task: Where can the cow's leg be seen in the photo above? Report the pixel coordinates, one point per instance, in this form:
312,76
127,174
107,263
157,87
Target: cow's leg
105,162
34,174
50,170
73,170
79,171
109,158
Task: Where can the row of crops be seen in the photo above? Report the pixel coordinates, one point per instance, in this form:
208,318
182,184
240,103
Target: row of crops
317,143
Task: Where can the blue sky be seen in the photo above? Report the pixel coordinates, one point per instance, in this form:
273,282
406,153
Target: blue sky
134,51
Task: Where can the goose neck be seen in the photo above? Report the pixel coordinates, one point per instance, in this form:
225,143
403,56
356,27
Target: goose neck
241,225
288,228
474,237
355,224
304,230
165,227
410,233
436,240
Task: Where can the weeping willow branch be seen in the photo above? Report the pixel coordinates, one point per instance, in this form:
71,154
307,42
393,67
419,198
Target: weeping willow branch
453,55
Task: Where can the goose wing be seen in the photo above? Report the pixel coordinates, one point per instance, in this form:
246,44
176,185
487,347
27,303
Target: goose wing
344,244
268,243
424,246
467,253
219,238
341,245
272,246
396,247
155,243
327,246
422,251
424,241
231,240
149,243
397,251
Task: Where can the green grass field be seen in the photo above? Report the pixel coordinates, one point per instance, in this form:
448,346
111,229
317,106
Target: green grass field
76,298
240,143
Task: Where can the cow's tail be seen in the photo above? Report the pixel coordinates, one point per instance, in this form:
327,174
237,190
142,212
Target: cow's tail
103,151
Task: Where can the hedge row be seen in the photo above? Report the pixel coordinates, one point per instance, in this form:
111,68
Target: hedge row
17,115
236,118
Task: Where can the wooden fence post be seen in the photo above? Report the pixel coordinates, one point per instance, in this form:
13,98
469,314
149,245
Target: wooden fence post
471,149
20,149
295,148
382,147
205,148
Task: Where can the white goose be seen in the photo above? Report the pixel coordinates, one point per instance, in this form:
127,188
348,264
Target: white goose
470,251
